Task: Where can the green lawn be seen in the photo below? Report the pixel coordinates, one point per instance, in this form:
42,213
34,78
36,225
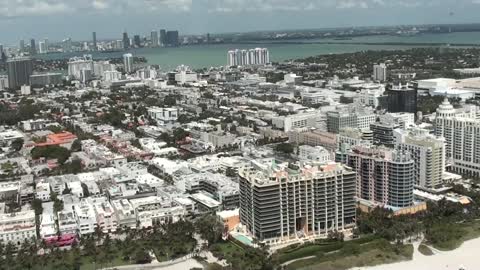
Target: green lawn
368,251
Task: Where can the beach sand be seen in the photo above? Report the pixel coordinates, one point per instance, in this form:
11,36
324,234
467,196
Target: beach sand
468,256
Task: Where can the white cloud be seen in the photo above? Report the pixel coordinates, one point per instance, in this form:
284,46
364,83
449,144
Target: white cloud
18,8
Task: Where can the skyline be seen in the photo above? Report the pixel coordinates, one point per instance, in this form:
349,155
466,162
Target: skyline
55,19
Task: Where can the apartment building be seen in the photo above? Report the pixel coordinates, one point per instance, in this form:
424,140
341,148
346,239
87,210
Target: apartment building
17,227
279,202
428,153
461,130
384,175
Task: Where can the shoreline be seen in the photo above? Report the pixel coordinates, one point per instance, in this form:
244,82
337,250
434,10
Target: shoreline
465,256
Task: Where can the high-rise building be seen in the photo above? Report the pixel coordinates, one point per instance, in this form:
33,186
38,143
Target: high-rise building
380,72
384,176
94,37
428,153
128,63
154,38
1,49
172,39
22,45
67,45
19,71
258,56
461,130
33,47
126,41
137,42
42,48
163,37
280,201
402,98
77,64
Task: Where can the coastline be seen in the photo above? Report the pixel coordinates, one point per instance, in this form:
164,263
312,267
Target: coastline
466,255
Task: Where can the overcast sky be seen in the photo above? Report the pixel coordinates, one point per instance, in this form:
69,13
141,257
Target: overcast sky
58,19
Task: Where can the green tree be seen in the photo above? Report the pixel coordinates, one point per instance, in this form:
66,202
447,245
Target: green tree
76,146
17,144
286,148
210,228
37,206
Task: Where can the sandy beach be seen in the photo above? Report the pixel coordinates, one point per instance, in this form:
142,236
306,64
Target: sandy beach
467,256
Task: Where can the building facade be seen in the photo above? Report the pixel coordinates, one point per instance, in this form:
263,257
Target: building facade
278,202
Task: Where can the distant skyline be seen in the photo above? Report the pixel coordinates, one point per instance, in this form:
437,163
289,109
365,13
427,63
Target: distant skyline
58,19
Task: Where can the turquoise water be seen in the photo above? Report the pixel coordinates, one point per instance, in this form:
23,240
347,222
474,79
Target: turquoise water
216,55
243,239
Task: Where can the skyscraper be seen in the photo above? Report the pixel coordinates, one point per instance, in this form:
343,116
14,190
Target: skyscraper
287,200
94,36
19,71
22,45
33,48
461,130
67,45
137,42
154,38
128,63
428,152
384,176
380,72
172,38
257,56
126,41
163,37
42,47
1,49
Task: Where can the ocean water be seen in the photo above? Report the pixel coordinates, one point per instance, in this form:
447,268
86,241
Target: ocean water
216,55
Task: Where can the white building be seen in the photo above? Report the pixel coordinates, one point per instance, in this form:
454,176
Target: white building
428,152
257,56
370,97
125,213
105,215
42,191
185,75
112,75
48,225
461,130
380,72
128,63
67,223
164,115
292,78
287,123
404,120
17,227
77,64
314,153
85,218
156,210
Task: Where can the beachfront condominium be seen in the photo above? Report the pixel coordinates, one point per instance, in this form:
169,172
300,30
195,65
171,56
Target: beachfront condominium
257,56
384,176
428,152
283,201
461,130
128,63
